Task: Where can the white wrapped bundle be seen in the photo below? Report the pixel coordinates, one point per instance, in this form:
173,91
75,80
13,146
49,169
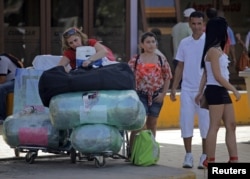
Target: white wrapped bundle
120,108
96,138
33,129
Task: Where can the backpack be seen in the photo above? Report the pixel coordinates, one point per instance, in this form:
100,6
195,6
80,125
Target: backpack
145,151
137,57
14,59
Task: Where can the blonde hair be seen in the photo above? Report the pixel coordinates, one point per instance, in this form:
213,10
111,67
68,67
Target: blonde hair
78,32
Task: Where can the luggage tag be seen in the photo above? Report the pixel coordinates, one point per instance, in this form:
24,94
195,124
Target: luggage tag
89,100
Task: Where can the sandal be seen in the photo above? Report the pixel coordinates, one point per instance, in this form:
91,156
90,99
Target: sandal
233,160
208,160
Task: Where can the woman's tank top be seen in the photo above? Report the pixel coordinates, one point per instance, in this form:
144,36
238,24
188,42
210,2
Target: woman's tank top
223,61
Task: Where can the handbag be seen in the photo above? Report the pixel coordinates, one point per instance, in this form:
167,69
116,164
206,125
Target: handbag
243,62
203,102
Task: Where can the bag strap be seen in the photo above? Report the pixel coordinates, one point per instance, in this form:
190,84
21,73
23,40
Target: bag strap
137,57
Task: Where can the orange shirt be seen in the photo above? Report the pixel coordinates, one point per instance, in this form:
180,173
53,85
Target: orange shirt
150,77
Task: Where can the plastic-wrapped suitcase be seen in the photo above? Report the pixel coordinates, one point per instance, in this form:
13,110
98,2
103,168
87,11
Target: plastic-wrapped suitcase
29,132
32,129
96,138
96,142
26,90
120,108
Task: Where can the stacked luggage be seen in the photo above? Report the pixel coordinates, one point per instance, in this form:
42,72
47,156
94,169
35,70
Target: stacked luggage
97,104
84,112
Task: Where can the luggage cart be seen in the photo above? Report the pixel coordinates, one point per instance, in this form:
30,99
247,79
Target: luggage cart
32,151
32,76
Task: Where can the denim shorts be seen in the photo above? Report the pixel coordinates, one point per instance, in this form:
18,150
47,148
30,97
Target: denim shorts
154,109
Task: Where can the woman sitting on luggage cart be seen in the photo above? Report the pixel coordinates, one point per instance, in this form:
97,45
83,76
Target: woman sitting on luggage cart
73,38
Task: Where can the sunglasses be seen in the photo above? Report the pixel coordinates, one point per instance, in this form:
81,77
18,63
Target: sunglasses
69,33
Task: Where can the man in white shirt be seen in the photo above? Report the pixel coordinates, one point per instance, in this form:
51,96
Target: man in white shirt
189,55
180,31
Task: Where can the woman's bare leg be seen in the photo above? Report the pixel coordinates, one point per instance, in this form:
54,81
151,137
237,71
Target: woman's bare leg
151,124
215,114
230,125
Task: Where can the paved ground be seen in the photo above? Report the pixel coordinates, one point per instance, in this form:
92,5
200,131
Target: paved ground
169,165
172,152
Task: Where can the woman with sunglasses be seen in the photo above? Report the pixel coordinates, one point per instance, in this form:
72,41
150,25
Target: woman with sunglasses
73,38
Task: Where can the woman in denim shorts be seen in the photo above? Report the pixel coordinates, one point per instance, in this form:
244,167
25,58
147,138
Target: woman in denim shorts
153,75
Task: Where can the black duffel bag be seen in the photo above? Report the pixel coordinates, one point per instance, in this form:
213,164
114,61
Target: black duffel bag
56,80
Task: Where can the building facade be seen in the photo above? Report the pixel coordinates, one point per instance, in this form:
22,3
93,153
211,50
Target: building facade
34,27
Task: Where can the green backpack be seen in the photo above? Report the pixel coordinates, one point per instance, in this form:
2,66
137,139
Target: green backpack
146,150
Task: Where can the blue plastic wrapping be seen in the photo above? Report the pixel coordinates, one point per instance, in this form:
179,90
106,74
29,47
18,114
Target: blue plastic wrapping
96,138
26,90
32,129
120,108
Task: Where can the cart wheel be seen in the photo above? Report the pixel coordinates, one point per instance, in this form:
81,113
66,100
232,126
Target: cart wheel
73,155
17,152
100,161
30,157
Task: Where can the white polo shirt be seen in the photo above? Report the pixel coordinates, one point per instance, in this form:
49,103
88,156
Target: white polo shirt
190,52
179,32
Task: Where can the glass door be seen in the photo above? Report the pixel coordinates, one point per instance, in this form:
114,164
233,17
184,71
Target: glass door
64,14
100,19
35,27
109,24
22,29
